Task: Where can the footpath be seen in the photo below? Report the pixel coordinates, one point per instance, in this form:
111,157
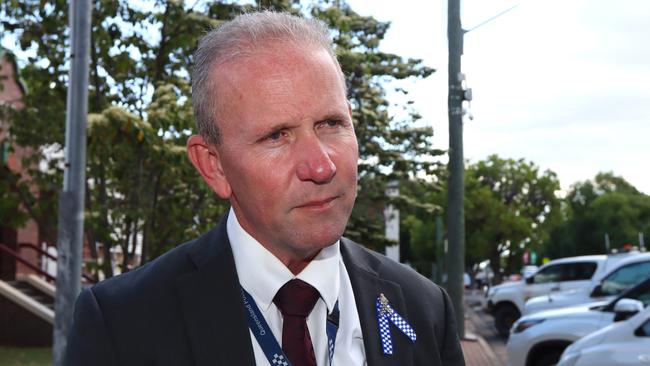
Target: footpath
477,351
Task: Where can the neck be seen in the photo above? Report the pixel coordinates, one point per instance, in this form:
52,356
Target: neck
296,264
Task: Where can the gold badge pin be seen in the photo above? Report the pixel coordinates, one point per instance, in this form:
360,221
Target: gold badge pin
385,309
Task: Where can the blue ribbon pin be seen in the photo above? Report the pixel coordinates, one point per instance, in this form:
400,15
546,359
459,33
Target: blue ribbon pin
385,312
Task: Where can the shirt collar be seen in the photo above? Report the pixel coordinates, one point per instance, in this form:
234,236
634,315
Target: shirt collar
262,274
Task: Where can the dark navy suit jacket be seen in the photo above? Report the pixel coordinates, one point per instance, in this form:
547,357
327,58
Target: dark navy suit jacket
185,308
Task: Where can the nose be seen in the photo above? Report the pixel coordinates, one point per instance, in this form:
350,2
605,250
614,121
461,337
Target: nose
315,163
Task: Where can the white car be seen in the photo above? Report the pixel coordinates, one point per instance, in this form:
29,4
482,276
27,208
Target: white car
625,273
506,301
623,344
527,271
539,339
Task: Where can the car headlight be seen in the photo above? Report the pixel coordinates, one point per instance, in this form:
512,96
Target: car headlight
520,326
490,292
569,359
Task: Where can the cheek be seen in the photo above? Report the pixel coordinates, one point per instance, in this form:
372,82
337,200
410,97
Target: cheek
269,178
346,156
250,168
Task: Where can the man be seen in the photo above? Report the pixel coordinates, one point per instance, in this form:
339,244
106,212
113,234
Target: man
275,282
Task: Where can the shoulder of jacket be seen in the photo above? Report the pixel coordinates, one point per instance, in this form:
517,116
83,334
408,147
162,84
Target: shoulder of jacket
389,269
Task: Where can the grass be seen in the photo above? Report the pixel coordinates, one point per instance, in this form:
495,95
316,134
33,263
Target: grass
25,356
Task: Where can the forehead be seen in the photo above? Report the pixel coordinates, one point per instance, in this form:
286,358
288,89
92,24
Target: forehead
279,78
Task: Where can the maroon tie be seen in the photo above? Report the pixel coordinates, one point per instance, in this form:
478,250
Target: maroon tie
296,299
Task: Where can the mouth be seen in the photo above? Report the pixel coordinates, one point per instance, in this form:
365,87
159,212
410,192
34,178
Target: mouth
318,204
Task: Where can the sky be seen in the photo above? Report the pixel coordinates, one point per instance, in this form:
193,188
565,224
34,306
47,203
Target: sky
564,84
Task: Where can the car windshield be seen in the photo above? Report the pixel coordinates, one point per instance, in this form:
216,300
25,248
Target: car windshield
625,277
565,272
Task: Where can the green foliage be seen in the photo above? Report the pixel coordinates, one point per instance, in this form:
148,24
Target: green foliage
509,206
140,186
605,205
419,237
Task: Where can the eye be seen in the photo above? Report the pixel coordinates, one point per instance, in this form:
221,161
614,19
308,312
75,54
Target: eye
330,123
275,136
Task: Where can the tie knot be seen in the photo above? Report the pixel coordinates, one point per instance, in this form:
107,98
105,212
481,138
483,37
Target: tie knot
296,298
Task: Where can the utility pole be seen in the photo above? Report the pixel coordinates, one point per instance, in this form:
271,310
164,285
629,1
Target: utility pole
456,192
71,200
641,242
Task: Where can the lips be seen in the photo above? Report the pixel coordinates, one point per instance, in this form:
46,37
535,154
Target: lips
318,203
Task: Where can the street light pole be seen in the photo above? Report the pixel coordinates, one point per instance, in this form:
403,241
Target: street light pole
456,190
71,200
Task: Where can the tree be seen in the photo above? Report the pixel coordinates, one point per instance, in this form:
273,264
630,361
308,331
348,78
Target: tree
510,205
140,187
607,205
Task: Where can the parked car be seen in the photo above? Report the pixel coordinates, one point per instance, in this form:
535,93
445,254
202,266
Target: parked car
623,344
539,339
626,273
506,301
529,270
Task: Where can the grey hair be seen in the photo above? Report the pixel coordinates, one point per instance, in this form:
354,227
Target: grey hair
241,38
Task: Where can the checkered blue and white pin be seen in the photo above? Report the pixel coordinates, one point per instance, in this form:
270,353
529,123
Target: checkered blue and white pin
385,315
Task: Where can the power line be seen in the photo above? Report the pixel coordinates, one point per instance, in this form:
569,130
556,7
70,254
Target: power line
491,19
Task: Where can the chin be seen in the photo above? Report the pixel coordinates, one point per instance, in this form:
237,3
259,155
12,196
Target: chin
325,235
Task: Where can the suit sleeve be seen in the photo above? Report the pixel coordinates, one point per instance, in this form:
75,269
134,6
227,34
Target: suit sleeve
88,340
451,351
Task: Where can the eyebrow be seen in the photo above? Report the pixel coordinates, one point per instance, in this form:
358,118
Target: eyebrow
332,115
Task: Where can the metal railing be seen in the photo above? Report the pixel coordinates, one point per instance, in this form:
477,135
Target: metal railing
49,255
38,250
27,263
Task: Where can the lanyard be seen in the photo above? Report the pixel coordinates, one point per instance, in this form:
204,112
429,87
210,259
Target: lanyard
267,341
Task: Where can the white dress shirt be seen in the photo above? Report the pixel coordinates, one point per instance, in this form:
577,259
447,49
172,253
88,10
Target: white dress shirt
262,274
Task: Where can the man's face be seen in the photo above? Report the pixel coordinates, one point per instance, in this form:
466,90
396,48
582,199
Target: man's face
289,152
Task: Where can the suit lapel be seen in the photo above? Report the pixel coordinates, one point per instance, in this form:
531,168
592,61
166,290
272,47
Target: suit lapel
367,285
212,307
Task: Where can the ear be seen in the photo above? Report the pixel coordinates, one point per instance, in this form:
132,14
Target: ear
207,162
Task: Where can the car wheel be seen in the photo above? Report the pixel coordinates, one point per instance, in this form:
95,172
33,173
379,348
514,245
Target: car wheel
504,317
549,358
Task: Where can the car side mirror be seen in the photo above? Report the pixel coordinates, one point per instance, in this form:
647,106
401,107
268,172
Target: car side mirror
597,291
625,308
530,280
